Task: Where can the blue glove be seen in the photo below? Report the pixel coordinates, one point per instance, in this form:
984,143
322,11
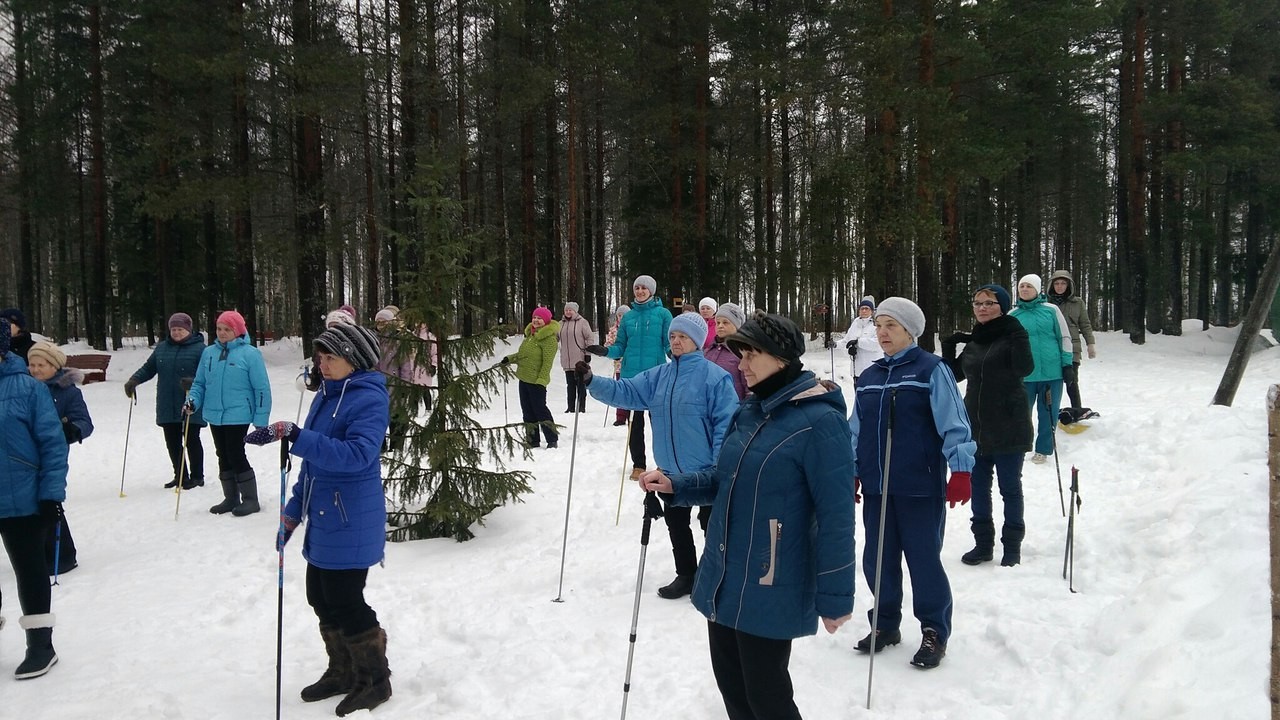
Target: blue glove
273,432
287,526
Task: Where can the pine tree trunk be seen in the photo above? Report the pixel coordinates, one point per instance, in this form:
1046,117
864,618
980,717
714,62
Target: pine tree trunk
242,219
1259,306
98,299
1135,181
373,243
308,192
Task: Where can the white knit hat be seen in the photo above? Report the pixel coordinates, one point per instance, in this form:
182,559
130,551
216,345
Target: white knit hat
1032,280
708,302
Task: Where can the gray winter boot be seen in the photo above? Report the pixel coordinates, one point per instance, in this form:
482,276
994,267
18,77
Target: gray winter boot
1011,536
984,541
231,495
248,484
40,655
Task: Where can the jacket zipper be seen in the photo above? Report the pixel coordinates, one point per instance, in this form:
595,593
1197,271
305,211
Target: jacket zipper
775,537
342,511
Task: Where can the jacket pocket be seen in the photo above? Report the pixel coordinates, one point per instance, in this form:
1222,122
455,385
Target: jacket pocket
775,537
342,511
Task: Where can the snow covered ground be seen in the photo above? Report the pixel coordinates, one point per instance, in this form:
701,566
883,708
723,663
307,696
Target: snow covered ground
176,618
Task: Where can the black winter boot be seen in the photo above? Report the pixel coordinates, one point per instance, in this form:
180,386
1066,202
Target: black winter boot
678,588
884,638
1011,536
230,493
338,678
372,673
984,540
40,655
931,651
247,482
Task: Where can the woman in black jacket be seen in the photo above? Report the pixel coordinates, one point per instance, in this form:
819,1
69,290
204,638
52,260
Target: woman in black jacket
996,356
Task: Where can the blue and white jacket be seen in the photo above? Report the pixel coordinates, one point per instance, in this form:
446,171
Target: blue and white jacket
339,487
33,450
930,424
780,540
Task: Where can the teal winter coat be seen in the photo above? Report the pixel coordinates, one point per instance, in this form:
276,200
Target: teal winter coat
231,386
643,339
1049,336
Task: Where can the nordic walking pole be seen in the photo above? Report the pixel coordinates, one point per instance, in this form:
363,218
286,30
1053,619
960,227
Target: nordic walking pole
652,511
301,380
1048,399
623,483
128,424
1069,557
564,544
884,512
182,466
280,538
57,545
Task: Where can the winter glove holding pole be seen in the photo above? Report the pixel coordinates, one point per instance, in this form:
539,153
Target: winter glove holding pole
129,386
598,350
1069,374
959,489
287,526
71,431
189,407
852,347
583,368
50,511
273,432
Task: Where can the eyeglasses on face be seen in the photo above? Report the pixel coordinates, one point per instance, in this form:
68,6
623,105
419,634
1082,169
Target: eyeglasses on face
984,303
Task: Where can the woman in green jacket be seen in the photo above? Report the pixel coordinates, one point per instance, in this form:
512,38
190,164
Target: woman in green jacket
534,358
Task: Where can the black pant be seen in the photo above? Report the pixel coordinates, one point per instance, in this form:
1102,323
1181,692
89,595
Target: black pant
24,541
682,547
638,458
59,544
337,596
533,409
575,389
1073,389
228,442
195,450
751,672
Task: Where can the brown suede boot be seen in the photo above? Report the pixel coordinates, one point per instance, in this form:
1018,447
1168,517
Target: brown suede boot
372,674
338,678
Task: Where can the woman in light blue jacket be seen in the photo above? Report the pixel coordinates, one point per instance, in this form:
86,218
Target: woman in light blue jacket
780,543
231,391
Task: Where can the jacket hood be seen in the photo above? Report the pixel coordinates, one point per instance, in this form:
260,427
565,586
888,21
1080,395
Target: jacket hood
652,303
358,378
807,388
66,377
236,341
13,365
550,328
1061,275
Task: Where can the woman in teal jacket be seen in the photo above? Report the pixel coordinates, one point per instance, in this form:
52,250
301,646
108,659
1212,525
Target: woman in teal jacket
780,543
174,363
642,343
231,390
1051,349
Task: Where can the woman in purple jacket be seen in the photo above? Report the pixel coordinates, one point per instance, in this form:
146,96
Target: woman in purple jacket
339,494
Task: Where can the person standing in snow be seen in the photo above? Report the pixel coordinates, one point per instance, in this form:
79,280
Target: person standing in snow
642,343
33,484
574,336
691,402
231,390
533,371
1051,348
707,309
860,339
1062,293
47,363
414,367
912,394
173,363
996,356
729,317
780,543
621,416
339,495
20,340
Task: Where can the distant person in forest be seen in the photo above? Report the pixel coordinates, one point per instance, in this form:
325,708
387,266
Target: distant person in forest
729,317
1062,292
173,363
33,484
408,366
860,339
345,315
232,391
574,337
20,337
621,416
642,343
707,309
1051,348
533,361
48,364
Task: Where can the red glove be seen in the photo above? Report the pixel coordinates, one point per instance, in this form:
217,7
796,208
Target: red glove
857,490
958,488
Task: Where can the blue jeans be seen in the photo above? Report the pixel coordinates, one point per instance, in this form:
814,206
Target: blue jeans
1046,411
1008,468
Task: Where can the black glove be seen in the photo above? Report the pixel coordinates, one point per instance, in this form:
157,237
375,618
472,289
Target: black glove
583,368
71,431
949,344
314,378
50,511
185,384
189,407
129,386
599,350
505,361
1069,374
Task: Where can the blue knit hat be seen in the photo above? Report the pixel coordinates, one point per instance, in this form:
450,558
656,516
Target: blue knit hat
1002,296
693,325
868,302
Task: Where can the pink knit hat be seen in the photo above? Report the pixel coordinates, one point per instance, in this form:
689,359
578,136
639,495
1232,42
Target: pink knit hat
233,320
543,313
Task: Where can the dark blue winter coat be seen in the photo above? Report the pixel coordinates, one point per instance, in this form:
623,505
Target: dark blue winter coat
68,401
33,450
643,339
339,487
169,363
780,541
690,401
231,385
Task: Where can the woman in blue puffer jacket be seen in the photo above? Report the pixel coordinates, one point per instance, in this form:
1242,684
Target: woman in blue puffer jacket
33,483
780,543
339,495
231,390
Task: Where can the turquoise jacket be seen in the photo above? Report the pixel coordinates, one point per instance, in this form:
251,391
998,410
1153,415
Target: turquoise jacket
643,339
1050,338
231,386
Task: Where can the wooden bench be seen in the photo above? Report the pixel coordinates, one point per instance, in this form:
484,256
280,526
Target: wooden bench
94,366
